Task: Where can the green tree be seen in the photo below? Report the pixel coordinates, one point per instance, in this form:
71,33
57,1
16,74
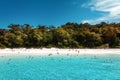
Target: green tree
60,36
92,39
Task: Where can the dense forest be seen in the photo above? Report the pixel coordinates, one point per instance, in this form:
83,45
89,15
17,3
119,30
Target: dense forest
69,35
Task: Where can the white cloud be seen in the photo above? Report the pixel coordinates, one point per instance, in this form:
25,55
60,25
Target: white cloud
110,7
86,21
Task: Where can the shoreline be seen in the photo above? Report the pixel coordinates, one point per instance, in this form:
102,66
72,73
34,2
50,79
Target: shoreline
56,51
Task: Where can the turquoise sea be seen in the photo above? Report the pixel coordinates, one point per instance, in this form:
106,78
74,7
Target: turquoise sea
60,67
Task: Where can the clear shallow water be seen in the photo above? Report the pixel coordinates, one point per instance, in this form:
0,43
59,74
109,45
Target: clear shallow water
60,68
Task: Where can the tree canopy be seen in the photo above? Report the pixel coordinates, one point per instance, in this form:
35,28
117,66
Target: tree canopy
69,35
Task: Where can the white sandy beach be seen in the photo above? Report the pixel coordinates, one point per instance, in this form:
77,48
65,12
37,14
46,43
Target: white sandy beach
56,51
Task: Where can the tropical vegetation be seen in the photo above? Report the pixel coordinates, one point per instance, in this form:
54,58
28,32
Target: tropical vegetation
69,35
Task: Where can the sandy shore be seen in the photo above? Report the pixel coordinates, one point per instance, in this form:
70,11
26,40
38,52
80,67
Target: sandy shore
56,51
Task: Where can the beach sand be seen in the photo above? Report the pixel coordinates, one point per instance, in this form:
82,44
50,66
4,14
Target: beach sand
56,51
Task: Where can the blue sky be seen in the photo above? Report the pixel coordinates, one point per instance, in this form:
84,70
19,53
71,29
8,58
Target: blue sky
58,12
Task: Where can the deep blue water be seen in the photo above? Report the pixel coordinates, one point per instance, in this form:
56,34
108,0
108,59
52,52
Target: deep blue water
60,68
